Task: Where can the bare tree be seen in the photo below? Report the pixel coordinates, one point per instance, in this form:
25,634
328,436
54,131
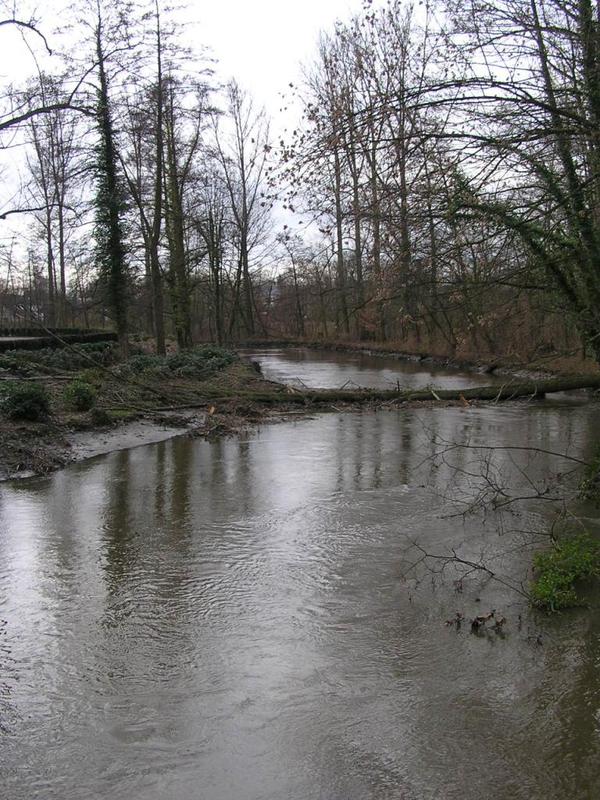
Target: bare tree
143,168
57,172
525,114
184,127
242,145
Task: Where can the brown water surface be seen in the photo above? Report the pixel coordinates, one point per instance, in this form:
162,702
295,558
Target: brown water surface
228,621
323,369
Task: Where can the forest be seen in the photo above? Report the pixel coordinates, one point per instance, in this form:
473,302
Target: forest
437,187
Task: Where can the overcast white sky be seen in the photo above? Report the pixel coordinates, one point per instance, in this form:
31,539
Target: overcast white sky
262,42
259,42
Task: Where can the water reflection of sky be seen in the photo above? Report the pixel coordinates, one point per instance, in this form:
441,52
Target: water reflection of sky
228,620
327,370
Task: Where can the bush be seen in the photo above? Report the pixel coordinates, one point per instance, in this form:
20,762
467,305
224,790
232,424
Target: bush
10,363
92,376
80,395
28,401
101,417
50,360
199,363
571,560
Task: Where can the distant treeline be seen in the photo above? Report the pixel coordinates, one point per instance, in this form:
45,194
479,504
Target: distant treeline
442,187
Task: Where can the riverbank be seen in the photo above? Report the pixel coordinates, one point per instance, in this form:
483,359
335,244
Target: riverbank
205,392
141,401
30,450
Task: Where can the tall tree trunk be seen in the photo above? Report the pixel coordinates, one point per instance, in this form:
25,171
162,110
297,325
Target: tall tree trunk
51,319
155,272
109,209
341,269
356,209
376,216
174,214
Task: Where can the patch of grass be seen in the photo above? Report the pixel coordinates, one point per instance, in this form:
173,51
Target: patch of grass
26,401
80,396
92,376
559,571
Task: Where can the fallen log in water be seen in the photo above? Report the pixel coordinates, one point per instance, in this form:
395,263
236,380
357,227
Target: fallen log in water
511,390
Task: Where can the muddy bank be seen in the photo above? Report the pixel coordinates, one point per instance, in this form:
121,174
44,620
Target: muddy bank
88,444
130,408
28,450
82,445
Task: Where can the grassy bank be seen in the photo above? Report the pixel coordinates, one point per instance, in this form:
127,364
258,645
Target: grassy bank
47,395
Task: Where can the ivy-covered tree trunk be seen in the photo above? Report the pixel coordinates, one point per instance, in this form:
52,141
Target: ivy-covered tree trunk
111,257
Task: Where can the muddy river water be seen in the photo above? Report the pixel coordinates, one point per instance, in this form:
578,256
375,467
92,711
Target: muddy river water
234,620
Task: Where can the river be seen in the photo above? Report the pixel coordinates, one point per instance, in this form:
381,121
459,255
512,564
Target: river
322,369
234,619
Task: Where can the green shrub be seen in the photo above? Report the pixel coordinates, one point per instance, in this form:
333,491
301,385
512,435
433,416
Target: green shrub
80,395
199,363
142,363
560,569
92,375
101,417
50,360
28,401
